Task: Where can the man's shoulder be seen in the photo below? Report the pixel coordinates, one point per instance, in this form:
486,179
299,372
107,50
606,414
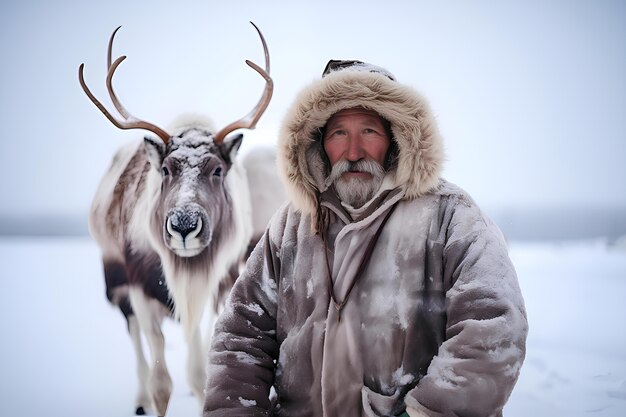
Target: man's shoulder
453,192
464,214
447,194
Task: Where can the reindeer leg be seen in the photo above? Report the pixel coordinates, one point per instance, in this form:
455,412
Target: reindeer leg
196,365
150,314
116,281
143,371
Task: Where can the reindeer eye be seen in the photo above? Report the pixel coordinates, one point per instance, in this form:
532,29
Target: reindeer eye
218,172
165,171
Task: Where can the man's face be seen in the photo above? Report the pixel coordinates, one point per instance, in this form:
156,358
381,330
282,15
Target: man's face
356,143
355,134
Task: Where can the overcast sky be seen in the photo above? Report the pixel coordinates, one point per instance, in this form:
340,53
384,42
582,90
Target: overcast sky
530,96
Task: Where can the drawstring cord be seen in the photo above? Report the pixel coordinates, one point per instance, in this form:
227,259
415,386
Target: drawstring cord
364,261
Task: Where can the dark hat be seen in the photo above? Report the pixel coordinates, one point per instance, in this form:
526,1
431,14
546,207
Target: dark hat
341,64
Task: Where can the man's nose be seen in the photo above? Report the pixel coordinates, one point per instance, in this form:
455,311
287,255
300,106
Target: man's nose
355,150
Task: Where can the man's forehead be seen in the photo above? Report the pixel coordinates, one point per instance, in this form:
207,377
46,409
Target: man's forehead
347,113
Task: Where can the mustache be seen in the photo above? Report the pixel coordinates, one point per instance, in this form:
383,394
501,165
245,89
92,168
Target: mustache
343,166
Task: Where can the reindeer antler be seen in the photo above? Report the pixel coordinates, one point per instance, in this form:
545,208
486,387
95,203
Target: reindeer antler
250,120
129,122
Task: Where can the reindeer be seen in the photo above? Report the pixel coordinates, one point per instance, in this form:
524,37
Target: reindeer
172,217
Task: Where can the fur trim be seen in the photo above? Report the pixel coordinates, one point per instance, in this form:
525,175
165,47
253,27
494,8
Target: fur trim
420,147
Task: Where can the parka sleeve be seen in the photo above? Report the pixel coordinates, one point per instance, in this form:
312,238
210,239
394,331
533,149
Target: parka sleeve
479,361
244,347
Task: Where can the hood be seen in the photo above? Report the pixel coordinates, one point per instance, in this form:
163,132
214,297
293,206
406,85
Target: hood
419,161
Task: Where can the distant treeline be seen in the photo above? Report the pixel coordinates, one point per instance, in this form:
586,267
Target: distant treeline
538,224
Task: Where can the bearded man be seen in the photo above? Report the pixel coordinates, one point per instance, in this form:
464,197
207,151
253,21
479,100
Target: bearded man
380,289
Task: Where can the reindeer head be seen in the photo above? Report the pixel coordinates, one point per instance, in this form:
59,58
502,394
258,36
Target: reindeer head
189,188
187,182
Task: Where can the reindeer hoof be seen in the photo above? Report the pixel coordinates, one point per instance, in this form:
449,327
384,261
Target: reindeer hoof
140,411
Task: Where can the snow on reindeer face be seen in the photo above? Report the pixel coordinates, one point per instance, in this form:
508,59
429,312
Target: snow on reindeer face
193,202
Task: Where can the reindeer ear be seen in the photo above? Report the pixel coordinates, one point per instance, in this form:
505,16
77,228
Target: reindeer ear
230,147
155,149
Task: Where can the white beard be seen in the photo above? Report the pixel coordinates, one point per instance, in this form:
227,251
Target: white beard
354,191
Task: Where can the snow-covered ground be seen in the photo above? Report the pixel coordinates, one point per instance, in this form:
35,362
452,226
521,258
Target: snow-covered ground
64,350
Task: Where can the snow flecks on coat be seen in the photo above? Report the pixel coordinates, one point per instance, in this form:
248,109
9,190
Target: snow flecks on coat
247,403
254,308
388,301
309,288
401,378
246,358
442,371
268,286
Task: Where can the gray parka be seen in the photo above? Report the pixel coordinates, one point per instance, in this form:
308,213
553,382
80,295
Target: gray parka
435,321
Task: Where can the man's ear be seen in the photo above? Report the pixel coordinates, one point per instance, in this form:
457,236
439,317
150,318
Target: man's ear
155,150
230,147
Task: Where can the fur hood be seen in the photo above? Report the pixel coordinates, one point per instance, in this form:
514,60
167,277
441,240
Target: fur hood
418,165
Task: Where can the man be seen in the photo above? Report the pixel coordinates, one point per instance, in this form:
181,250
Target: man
380,289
